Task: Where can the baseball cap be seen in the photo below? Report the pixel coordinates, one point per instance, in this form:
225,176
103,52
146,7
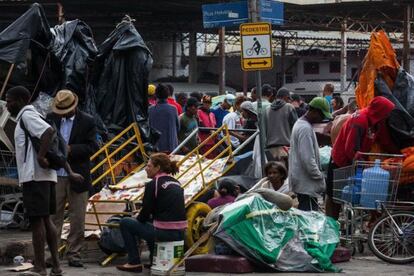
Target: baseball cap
248,105
282,92
295,97
230,98
323,105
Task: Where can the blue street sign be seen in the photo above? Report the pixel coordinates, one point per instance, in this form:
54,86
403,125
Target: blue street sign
271,11
225,14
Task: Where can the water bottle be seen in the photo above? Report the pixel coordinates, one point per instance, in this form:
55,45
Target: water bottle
374,186
357,186
352,192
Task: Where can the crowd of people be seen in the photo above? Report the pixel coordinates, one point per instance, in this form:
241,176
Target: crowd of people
292,147
292,133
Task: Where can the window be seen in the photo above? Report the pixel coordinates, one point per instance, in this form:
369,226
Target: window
334,67
311,68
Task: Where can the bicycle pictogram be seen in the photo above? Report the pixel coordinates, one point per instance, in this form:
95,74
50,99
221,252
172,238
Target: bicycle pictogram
256,49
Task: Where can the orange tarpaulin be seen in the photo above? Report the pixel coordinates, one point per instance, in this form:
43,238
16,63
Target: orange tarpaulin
380,57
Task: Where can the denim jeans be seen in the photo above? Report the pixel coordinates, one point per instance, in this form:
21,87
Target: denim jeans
133,230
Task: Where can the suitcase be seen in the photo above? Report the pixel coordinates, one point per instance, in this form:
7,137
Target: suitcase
218,263
341,254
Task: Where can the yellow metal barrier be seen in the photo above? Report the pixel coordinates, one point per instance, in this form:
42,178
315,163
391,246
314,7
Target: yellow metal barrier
196,170
109,164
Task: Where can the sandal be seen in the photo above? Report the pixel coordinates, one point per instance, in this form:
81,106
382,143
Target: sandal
130,268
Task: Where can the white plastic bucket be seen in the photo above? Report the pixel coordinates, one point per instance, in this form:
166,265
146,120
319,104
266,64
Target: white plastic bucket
167,254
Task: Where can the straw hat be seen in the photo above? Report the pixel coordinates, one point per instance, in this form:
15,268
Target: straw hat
64,102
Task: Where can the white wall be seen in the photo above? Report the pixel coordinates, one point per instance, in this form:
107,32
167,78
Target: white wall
162,55
324,74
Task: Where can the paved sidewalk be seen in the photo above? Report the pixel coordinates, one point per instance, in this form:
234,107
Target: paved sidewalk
369,266
362,264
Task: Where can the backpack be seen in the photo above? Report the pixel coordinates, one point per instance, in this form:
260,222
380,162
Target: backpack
57,154
111,240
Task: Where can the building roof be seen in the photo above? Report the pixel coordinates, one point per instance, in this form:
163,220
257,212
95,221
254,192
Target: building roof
160,18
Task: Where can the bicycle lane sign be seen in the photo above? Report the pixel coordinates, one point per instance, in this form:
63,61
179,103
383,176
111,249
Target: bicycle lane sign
256,50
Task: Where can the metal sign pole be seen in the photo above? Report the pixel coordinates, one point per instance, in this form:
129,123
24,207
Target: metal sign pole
254,18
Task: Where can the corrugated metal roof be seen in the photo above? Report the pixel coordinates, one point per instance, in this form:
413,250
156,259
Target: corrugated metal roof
326,35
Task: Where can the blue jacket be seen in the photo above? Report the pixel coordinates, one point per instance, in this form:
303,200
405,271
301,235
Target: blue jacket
164,118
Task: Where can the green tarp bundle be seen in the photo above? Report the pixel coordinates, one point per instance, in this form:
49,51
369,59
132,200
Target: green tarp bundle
290,240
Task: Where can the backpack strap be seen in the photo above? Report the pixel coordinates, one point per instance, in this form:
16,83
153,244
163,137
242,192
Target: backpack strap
26,135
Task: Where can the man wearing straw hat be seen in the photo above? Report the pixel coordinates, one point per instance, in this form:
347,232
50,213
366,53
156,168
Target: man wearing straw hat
79,132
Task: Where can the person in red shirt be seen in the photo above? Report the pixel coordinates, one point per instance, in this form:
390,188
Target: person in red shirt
171,100
360,132
206,119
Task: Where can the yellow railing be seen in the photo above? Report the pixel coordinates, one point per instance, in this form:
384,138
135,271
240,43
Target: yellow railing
109,165
224,141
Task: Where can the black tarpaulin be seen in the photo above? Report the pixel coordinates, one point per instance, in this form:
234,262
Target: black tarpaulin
121,77
400,123
16,38
75,48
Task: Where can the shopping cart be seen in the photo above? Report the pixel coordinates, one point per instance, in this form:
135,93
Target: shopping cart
360,188
11,203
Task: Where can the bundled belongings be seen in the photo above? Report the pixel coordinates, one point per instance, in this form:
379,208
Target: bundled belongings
75,48
120,82
380,57
381,75
290,240
46,59
24,49
400,123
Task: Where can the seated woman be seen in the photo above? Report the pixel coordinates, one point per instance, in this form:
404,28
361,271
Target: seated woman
226,193
164,203
276,175
276,179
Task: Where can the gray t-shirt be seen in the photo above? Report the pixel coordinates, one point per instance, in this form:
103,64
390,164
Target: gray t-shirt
305,176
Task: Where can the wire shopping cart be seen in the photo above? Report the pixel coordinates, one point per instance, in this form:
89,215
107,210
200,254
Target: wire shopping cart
361,187
11,203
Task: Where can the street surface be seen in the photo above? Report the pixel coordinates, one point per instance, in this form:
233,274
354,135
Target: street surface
362,264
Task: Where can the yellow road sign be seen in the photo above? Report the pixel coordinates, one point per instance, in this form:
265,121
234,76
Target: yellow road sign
256,42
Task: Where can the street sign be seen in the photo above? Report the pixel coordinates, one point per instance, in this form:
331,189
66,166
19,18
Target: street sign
225,14
271,11
256,51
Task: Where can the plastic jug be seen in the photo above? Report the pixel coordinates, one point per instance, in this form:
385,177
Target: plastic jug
352,192
375,183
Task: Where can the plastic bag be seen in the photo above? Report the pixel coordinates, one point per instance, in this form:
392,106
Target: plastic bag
404,90
257,164
259,231
324,157
400,122
43,104
380,57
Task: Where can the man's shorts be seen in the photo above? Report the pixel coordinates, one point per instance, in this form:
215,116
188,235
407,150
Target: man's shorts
39,198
